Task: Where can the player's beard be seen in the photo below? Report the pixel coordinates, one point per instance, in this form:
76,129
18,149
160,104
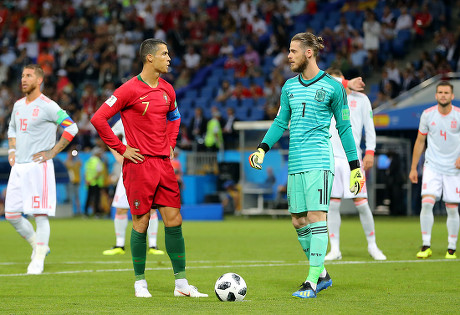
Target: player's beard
444,104
302,66
29,88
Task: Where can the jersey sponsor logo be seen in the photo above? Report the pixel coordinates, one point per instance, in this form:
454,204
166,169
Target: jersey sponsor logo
112,99
453,124
142,97
320,95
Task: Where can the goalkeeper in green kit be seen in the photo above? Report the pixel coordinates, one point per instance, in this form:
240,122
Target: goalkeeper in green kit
308,101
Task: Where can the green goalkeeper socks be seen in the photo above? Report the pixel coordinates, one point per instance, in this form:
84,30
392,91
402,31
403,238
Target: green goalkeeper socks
318,248
304,237
138,252
175,247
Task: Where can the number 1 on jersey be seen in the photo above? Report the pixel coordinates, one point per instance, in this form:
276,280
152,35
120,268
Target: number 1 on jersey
146,106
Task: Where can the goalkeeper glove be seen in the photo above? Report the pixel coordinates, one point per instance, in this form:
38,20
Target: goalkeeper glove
257,158
357,181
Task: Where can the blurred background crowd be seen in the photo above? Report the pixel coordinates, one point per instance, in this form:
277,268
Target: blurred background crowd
229,58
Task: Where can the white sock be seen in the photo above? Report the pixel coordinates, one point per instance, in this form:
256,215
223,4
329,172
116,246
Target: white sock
333,224
452,225
427,219
152,231
367,221
181,283
323,273
121,223
313,285
43,230
22,226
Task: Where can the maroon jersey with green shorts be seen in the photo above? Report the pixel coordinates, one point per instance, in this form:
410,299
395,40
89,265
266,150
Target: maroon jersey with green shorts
151,121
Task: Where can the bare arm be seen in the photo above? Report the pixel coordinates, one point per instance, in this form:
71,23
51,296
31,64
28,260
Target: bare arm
11,151
119,158
419,147
48,155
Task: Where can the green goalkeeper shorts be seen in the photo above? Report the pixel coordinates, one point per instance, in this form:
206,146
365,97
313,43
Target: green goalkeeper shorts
309,191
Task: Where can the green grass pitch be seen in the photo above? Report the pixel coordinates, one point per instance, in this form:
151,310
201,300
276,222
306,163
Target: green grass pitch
264,251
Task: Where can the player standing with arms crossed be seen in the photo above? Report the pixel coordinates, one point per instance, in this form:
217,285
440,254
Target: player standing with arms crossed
121,204
440,127
308,101
360,116
32,146
151,121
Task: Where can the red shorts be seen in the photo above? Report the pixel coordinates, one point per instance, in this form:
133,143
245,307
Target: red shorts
150,183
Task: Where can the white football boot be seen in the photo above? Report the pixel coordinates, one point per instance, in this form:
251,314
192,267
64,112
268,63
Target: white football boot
140,288
333,255
36,266
376,253
189,291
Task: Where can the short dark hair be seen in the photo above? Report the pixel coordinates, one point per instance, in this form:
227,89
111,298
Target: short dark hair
445,83
309,40
37,69
149,46
335,72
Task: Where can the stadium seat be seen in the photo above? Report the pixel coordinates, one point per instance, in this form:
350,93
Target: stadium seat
208,92
185,103
247,103
241,113
202,102
256,113
245,81
232,102
260,81
192,93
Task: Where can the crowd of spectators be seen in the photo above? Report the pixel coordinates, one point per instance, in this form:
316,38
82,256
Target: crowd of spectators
87,48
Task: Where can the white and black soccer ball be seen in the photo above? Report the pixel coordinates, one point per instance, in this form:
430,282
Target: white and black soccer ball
230,287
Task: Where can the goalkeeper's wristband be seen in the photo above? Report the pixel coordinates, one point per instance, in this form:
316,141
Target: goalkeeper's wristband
264,147
354,164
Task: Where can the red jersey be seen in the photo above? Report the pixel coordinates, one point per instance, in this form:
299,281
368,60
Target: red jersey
145,112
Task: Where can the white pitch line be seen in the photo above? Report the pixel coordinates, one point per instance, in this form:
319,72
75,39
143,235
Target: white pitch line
269,264
148,261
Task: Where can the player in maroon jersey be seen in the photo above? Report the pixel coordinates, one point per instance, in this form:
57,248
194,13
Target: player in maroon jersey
151,119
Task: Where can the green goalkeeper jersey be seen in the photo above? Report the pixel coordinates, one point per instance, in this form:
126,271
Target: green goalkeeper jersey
309,105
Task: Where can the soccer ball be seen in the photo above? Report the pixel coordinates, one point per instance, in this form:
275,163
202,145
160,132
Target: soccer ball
230,287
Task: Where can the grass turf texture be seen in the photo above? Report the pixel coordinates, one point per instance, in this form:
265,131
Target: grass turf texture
265,252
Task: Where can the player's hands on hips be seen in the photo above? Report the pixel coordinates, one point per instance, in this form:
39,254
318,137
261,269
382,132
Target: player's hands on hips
43,156
356,84
133,155
257,158
368,161
11,158
357,181
413,176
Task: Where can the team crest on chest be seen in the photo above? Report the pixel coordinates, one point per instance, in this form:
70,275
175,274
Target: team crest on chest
35,112
320,95
137,203
353,103
165,96
453,124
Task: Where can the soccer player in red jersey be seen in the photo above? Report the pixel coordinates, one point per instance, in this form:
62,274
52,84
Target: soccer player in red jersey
151,119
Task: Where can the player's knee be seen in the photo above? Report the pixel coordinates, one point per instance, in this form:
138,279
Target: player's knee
13,218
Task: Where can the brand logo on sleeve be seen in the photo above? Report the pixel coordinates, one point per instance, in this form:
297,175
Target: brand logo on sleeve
112,99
